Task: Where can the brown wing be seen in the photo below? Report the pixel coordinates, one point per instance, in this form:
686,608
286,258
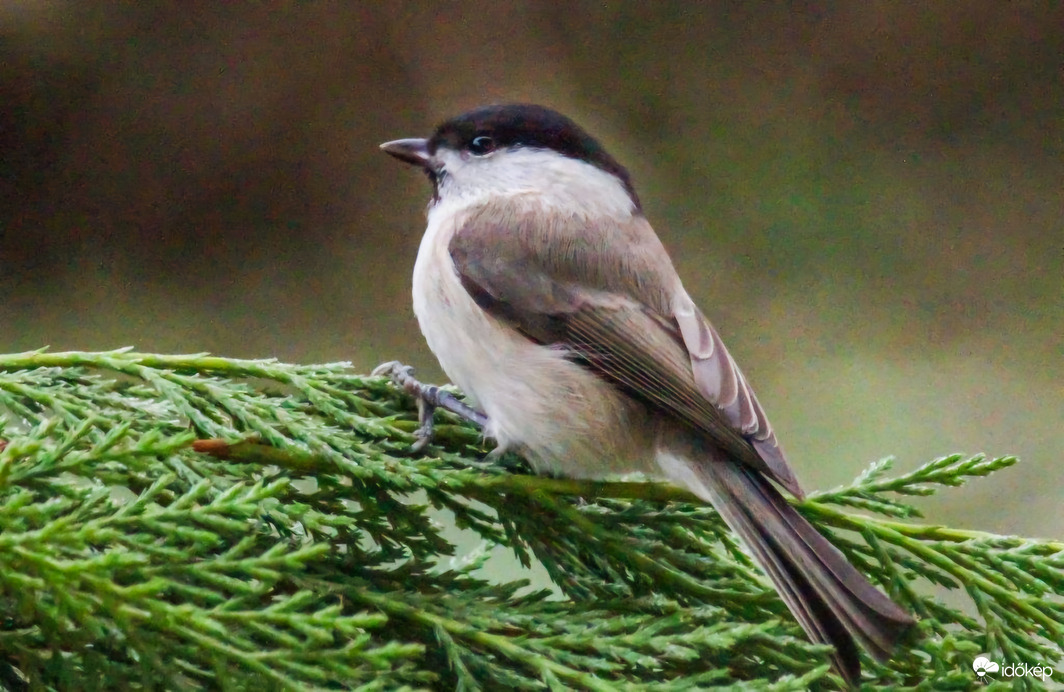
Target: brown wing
720,380
611,297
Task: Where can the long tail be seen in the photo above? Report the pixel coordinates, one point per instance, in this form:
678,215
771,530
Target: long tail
833,602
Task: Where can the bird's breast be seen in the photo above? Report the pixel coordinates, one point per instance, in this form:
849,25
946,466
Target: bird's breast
565,418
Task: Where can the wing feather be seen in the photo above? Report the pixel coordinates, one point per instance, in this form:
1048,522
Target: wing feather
721,381
610,307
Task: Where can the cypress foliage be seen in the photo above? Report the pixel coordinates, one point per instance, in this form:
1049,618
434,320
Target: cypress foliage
189,521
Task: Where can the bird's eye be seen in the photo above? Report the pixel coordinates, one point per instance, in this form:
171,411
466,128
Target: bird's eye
482,145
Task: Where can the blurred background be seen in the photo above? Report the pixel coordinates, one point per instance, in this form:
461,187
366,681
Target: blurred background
865,197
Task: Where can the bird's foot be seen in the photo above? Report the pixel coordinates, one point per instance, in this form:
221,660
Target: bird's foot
429,398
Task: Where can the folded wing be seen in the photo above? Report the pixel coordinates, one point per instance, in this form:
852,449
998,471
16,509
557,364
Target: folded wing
627,319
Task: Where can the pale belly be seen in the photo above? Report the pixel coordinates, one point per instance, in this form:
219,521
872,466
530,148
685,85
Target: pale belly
563,417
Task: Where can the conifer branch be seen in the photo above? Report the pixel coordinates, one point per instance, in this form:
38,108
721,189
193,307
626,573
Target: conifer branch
190,520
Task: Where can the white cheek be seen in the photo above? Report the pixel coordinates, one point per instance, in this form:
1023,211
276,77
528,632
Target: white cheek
532,177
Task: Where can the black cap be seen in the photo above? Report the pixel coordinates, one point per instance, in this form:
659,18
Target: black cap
527,125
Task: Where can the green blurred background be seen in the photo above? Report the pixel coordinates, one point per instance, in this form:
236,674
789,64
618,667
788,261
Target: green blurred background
865,197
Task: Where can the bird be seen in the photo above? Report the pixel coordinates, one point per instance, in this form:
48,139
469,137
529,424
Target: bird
548,298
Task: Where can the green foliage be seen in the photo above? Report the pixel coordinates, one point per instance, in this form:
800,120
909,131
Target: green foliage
131,559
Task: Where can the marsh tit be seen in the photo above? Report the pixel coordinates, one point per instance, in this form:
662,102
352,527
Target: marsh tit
550,301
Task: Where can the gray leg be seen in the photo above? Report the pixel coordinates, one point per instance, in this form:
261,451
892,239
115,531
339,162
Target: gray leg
428,398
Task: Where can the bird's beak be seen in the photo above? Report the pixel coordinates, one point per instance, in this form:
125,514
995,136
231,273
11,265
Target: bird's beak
412,151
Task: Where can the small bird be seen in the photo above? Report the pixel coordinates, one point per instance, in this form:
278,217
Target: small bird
550,301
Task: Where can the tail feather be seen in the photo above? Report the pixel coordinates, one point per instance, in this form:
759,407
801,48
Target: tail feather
833,602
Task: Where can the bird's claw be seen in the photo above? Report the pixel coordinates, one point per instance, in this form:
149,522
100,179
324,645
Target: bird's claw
425,431
428,399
